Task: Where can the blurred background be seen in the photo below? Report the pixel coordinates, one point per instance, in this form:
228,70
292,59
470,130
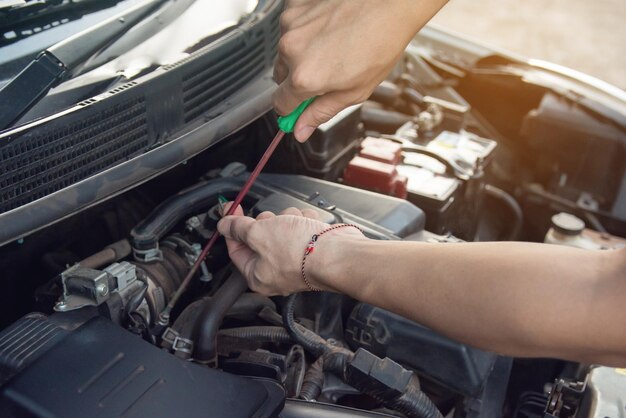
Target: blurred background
586,35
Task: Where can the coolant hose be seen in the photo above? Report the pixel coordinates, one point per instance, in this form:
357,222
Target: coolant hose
107,255
212,315
265,334
303,336
250,304
186,322
164,217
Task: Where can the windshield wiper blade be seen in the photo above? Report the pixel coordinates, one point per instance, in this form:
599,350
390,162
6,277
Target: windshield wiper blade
56,63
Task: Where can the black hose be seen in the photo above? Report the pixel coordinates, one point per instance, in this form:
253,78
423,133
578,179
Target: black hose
250,304
382,120
185,322
263,334
414,404
212,315
516,210
164,217
303,336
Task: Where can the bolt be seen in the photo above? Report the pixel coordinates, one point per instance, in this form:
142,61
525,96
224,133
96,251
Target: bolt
193,222
102,289
61,305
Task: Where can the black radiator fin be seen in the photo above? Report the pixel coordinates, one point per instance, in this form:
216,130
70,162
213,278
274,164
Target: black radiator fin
35,166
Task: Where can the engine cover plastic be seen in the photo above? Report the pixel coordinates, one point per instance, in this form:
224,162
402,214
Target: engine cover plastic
101,370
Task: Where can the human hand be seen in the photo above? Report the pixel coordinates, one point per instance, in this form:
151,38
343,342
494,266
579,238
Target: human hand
339,51
268,250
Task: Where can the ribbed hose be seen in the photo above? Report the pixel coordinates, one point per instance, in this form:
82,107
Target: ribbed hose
303,336
263,334
415,404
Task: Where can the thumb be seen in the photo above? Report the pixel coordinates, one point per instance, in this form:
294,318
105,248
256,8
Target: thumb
322,109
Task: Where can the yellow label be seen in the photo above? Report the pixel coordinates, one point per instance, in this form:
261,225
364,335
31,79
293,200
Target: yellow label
621,371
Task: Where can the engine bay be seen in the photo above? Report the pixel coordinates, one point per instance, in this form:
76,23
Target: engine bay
439,153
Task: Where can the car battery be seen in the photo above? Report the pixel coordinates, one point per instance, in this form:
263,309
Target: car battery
443,176
433,191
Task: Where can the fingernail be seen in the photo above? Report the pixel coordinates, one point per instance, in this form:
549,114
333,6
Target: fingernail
304,133
222,225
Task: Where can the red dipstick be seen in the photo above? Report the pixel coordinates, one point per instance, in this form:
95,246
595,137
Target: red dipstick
165,314
286,125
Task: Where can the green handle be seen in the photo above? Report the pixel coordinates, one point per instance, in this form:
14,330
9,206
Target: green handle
286,123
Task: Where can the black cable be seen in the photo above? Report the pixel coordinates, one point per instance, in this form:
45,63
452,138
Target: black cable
303,336
512,204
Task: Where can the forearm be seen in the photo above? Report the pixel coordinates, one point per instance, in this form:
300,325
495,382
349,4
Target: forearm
514,298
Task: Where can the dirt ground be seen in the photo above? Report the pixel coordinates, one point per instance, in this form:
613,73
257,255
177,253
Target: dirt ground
586,35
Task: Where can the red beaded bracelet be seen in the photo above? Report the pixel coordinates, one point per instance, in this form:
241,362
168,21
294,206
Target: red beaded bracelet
311,246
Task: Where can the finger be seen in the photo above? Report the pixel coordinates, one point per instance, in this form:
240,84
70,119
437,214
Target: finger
281,71
311,214
286,99
235,227
265,215
320,111
292,211
238,211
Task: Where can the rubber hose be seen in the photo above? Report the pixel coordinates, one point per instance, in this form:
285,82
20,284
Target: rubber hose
385,121
213,313
164,217
250,304
107,255
303,336
247,303
264,334
509,201
415,404
186,321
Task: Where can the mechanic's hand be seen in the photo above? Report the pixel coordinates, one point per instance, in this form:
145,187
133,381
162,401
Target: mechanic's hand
339,51
268,250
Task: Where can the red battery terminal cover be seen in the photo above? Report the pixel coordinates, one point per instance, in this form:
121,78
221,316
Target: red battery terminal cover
376,176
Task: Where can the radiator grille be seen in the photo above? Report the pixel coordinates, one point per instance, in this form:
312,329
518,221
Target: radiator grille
33,166
102,132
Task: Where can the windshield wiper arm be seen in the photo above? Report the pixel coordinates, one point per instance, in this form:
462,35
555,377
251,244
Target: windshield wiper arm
56,63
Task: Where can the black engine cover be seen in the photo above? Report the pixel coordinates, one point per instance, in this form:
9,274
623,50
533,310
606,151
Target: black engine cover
101,370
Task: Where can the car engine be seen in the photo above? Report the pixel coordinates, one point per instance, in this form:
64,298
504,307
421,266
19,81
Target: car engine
439,153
